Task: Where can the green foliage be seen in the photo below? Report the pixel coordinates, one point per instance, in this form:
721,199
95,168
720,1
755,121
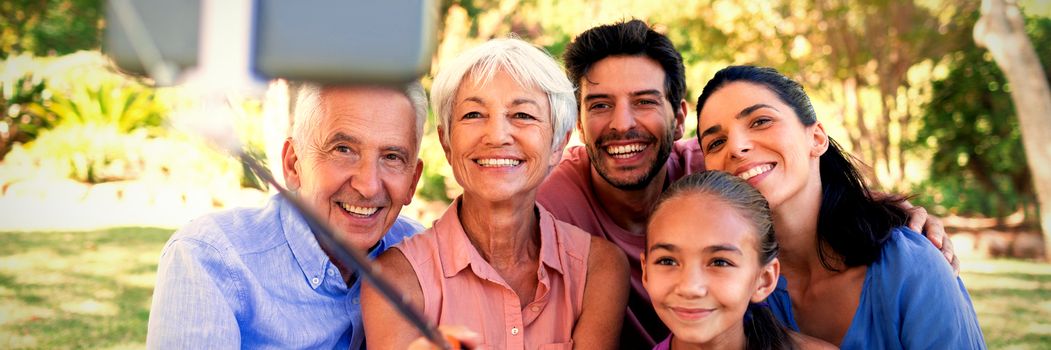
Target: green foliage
21,96
971,130
49,27
96,125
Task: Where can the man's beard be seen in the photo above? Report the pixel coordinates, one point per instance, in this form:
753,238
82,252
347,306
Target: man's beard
639,182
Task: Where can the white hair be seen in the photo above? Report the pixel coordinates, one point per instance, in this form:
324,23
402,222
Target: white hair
306,104
528,65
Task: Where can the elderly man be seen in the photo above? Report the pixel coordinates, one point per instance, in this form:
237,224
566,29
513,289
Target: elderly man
257,278
631,89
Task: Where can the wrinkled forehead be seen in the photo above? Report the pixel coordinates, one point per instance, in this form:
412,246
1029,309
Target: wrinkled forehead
372,112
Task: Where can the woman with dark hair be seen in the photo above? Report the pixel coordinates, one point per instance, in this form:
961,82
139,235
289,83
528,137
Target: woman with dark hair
708,282
851,272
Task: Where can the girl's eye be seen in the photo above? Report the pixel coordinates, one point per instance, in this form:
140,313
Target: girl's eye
472,115
666,261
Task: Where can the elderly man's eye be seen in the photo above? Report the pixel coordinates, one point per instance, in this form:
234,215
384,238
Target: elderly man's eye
343,149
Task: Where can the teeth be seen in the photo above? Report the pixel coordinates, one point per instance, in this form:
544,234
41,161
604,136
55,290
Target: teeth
755,171
500,162
624,151
356,210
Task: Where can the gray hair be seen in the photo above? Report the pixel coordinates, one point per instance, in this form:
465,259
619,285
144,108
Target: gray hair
528,65
306,109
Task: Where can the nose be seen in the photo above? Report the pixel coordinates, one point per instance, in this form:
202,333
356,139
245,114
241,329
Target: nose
366,178
692,283
623,119
497,130
738,144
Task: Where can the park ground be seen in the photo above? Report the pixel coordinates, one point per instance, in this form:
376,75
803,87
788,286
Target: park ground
92,289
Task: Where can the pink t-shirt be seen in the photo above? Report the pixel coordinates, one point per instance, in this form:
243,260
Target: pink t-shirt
461,288
569,195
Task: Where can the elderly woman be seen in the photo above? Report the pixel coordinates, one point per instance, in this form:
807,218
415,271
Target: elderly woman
497,262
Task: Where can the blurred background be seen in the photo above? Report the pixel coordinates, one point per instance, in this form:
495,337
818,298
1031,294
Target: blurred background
92,182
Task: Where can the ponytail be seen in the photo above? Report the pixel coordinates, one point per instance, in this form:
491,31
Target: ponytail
763,331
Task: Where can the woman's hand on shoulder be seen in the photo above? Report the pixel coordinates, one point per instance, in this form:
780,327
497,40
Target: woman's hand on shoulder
932,228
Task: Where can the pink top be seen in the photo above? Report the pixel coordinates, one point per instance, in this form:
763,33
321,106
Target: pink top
479,298
569,195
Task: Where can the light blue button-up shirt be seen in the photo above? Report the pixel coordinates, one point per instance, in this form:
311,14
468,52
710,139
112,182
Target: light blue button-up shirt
256,278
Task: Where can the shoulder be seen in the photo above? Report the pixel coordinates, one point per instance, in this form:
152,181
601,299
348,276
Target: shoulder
906,252
240,230
570,173
686,158
402,228
606,257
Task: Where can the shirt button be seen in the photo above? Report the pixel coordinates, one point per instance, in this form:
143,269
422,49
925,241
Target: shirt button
514,330
356,301
315,280
535,308
330,272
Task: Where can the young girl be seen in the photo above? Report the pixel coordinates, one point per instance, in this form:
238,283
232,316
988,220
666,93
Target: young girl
710,261
851,273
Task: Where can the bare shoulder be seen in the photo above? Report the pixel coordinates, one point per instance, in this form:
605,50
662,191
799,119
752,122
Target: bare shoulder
396,268
806,342
607,255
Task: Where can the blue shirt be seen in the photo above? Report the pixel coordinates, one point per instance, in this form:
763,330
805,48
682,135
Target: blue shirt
910,300
256,278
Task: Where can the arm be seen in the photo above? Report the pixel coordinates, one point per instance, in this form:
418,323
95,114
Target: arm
384,327
605,298
192,300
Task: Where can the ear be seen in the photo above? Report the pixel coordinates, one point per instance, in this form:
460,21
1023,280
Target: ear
642,261
556,152
766,282
443,141
415,180
580,127
820,140
680,119
290,165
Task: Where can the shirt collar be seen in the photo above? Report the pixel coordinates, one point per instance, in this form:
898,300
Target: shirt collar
457,252
308,254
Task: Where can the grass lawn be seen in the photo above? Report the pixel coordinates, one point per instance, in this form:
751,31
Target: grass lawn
92,290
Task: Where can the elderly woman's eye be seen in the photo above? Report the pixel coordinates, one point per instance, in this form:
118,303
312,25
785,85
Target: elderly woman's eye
472,115
521,115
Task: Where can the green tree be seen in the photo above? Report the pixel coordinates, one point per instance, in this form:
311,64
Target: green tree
45,27
971,129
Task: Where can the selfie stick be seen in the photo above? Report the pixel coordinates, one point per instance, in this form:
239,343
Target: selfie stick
220,132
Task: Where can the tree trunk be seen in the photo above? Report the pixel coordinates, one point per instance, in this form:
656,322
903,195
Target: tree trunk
1001,29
